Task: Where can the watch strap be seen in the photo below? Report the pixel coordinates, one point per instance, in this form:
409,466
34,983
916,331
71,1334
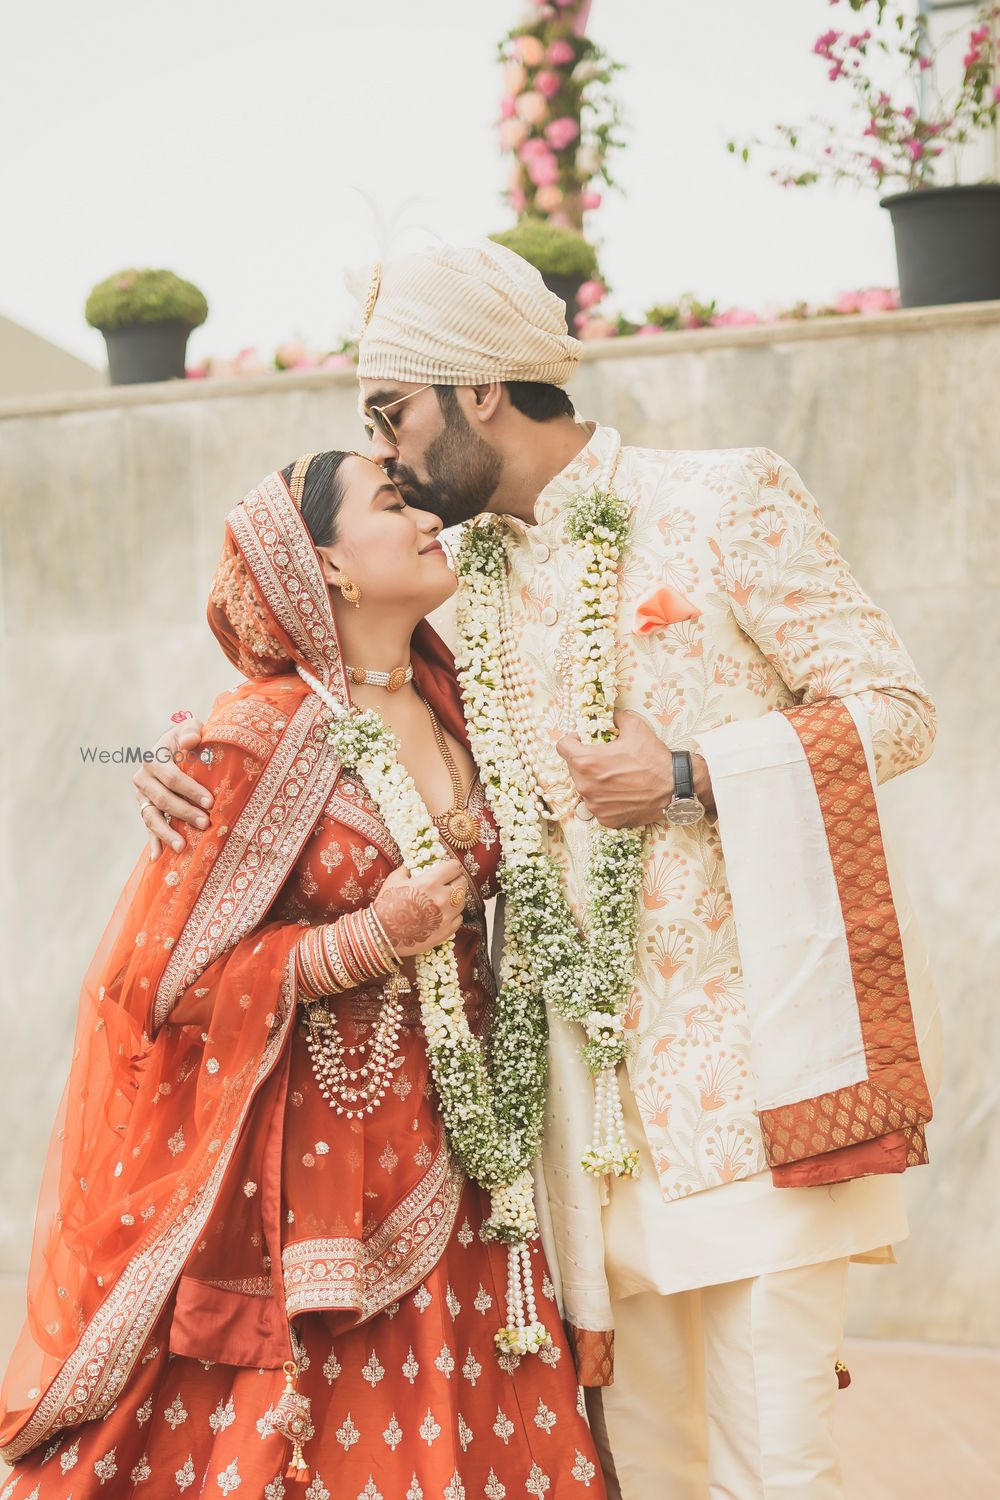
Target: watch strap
683,774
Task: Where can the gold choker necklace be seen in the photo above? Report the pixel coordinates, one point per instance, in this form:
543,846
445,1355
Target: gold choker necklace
391,681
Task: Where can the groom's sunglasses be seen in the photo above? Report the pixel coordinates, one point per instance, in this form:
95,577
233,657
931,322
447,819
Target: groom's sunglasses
376,416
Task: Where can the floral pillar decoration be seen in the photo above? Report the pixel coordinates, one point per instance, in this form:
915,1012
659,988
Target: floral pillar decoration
558,116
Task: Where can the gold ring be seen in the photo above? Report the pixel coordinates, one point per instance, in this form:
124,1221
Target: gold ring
457,897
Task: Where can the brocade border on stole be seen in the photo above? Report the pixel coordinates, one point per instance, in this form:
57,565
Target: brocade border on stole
257,855
370,1274
895,1095
94,1375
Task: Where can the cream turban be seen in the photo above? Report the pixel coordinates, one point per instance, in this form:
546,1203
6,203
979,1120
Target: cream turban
464,314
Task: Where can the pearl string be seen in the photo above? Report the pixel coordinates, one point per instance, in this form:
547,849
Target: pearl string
355,1091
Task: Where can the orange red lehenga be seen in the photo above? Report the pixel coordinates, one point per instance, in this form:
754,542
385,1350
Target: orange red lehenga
206,1214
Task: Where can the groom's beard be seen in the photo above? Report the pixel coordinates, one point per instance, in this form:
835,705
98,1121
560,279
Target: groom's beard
462,474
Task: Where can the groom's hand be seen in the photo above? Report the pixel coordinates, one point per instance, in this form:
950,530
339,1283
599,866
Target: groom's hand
628,782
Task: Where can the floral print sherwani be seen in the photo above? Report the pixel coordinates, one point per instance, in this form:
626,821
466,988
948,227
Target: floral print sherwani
776,619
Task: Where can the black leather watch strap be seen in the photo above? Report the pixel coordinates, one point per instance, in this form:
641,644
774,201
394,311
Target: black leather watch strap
683,774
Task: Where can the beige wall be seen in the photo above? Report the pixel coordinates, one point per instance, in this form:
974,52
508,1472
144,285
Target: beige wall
110,526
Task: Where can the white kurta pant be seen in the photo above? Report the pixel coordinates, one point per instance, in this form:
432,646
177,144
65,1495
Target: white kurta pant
726,1393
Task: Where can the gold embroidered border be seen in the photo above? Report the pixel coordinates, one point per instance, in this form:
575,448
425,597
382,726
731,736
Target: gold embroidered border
94,1375
370,1274
895,1095
277,548
258,854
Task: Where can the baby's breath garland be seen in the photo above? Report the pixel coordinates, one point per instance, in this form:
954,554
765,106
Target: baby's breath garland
588,978
492,1107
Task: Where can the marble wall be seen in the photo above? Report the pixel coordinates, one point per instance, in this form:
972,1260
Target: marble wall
111,506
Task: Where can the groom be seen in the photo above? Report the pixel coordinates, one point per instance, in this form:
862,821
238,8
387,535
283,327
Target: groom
774,1088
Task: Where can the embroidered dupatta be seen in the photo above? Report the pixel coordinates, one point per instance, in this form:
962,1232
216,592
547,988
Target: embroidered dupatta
187,1007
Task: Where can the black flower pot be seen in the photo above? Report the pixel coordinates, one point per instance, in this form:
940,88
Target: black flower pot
567,288
142,352
947,243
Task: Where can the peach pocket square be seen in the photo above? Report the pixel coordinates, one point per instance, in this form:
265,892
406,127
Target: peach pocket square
660,606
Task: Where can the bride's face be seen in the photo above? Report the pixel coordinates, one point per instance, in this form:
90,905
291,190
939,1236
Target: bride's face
387,548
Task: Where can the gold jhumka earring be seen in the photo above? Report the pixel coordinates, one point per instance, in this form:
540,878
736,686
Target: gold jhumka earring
350,592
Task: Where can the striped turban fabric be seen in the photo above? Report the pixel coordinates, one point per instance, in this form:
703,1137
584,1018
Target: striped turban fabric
464,315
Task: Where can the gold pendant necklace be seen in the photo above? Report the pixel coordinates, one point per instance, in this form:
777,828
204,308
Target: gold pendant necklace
458,825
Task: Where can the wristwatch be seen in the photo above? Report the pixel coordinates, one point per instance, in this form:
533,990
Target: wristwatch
684,808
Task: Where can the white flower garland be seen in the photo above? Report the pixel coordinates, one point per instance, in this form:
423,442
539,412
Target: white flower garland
492,1108
588,980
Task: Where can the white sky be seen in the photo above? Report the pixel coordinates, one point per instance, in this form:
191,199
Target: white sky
226,138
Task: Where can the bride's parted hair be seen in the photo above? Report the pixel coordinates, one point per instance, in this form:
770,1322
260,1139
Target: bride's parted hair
322,494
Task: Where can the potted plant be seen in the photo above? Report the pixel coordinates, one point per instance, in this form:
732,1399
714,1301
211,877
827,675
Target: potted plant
565,259
145,317
947,234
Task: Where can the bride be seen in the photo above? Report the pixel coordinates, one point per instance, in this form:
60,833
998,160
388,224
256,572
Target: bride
258,1258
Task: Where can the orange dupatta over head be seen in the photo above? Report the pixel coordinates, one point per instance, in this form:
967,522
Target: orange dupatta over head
188,1003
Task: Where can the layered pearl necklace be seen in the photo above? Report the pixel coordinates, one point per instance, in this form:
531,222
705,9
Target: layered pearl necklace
350,1086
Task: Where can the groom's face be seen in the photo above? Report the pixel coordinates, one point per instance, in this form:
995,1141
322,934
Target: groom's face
438,461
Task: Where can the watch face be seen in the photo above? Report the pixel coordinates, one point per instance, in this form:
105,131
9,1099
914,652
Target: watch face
684,811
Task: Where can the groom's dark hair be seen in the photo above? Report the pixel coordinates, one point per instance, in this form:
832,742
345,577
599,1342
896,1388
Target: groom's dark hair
533,398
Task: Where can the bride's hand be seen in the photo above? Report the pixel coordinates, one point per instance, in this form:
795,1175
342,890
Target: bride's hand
419,911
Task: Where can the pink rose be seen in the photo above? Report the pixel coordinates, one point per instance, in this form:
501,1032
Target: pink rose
735,317
532,108
543,170
560,53
548,198
507,107
915,150
197,372
518,201
513,133
592,200
591,293
548,83
288,354
561,133
530,50
878,299
532,146
514,78
646,330
846,302
337,362
595,328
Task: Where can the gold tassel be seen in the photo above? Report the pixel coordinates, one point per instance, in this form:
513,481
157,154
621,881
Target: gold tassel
292,1418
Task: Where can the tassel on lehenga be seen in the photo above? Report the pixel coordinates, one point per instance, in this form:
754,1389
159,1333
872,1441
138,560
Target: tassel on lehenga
293,1419
609,1154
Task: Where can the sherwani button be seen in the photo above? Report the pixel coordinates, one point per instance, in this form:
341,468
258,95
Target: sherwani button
584,813
541,552
549,615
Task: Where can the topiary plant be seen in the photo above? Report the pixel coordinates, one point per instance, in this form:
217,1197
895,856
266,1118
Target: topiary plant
131,297
553,251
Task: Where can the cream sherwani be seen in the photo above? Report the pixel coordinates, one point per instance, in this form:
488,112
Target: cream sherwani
781,621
